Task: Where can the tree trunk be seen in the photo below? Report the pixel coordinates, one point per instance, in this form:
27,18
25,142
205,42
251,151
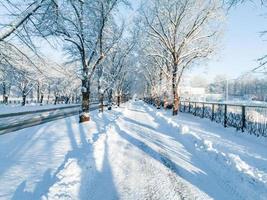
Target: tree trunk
118,100
42,98
158,102
49,91
5,100
72,99
76,98
85,102
67,99
56,99
101,100
175,92
5,97
165,102
175,103
38,92
84,116
110,99
23,99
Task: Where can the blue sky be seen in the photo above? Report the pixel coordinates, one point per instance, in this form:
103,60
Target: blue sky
241,44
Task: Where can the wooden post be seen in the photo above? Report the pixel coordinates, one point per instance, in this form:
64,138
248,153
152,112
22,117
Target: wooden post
225,115
195,112
243,118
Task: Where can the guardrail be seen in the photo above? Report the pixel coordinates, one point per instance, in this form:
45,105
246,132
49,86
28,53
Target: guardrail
252,119
13,114
16,121
31,101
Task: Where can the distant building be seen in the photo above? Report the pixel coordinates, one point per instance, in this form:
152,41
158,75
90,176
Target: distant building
193,93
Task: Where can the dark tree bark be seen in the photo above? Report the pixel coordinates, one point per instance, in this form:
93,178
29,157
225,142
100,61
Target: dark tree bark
49,92
158,102
42,98
5,96
85,101
165,102
118,100
101,105
56,100
67,100
38,92
175,92
23,98
109,99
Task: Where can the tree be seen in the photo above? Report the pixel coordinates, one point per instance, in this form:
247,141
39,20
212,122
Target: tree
231,3
112,69
23,16
6,80
85,26
22,24
184,32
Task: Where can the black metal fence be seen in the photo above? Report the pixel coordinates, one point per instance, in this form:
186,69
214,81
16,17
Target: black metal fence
252,119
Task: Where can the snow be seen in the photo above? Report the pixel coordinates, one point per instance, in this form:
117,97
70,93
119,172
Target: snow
132,152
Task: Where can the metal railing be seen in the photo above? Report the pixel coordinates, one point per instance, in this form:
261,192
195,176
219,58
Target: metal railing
18,101
10,122
252,119
14,114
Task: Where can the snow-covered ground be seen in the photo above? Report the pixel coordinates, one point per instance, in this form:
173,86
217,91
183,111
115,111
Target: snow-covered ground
133,152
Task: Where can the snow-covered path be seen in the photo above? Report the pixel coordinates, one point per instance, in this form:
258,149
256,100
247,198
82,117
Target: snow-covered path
133,152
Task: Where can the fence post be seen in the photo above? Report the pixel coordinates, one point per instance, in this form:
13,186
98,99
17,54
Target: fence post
184,106
195,112
203,110
243,118
212,112
189,109
225,115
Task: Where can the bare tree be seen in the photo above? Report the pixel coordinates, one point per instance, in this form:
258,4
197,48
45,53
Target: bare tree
113,67
185,33
231,3
85,26
23,15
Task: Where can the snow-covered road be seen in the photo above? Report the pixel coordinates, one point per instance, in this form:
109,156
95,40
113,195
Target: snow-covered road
133,152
